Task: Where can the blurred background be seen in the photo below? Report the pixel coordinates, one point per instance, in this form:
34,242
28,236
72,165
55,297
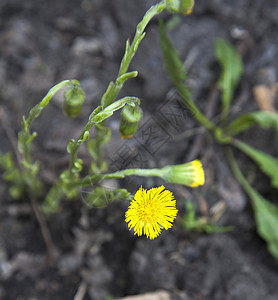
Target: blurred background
45,42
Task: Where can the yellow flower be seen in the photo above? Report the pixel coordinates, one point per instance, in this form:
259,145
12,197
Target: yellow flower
150,211
198,174
190,174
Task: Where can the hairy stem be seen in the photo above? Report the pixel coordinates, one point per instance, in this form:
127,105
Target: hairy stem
130,51
90,180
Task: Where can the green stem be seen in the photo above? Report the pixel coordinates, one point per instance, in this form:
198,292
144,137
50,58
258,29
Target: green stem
114,88
236,170
137,172
154,10
130,51
198,115
241,146
35,112
77,144
106,112
89,180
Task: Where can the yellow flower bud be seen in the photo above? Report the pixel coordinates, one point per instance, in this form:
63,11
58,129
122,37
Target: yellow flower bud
190,174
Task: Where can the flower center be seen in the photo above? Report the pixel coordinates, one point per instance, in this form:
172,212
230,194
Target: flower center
150,211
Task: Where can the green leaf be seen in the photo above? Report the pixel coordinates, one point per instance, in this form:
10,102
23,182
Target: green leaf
31,138
100,117
70,145
86,136
201,224
136,45
266,215
52,201
34,168
126,76
12,174
267,163
132,101
96,111
105,99
24,124
35,112
21,141
265,119
173,63
77,166
177,74
232,68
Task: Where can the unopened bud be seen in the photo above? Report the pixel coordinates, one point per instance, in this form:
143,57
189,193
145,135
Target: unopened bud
184,7
74,98
130,119
190,174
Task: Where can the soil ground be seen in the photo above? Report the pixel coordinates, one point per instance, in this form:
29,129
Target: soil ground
44,42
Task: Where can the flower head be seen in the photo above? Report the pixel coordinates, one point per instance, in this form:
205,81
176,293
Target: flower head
150,211
190,174
198,173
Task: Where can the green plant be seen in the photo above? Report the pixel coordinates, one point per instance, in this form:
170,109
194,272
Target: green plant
266,214
25,178
202,224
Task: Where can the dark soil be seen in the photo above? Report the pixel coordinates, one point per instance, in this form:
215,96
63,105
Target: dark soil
44,42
